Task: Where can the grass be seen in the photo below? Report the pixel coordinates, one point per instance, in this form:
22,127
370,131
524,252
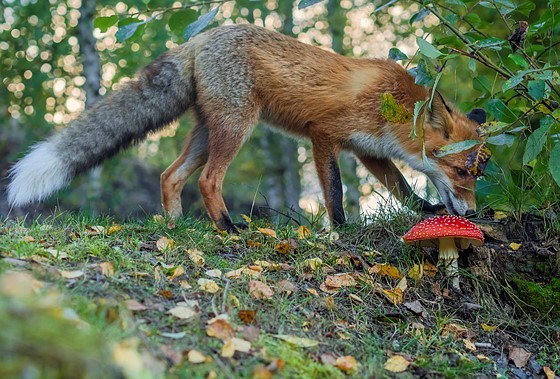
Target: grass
92,328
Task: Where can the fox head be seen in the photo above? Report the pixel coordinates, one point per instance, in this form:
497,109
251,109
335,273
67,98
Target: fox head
444,125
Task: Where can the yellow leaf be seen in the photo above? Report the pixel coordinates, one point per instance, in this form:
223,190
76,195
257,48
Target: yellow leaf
113,229
164,243
183,311
196,256
430,270
402,284
396,363
395,296
57,253
500,215
347,363
158,218
469,344
195,356
312,263
549,373
283,247
241,345
483,358
246,218
297,341
176,272
488,328
393,111
260,290
303,232
220,328
416,272
514,246
340,280
356,298
228,350
71,274
208,285
313,291
385,269
267,232
107,268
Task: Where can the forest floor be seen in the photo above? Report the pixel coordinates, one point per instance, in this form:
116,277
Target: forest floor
89,297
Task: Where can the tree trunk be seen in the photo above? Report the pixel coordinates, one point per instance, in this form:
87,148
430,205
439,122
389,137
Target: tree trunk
92,73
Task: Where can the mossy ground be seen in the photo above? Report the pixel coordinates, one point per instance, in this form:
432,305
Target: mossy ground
85,325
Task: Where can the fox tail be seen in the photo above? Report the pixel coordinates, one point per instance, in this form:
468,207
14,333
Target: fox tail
159,94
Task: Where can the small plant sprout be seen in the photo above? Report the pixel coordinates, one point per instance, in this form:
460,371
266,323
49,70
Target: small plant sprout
447,234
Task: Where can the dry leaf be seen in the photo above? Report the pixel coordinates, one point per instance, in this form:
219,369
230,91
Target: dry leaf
228,350
328,359
165,293
113,229
158,218
267,232
297,341
208,285
340,280
57,253
220,328
251,243
312,291
346,363
19,284
244,272
283,247
94,230
514,246
195,356
396,363
469,344
385,269
456,331
214,273
355,298
175,336
312,263
246,218
241,345
195,256
251,333
183,311
549,373
488,328
134,305
107,268
259,290
71,274
248,316
430,270
28,239
285,285
519,356
498,215
184,284
176,272
330,290
303,232
416,308
416,272
164,243
395,295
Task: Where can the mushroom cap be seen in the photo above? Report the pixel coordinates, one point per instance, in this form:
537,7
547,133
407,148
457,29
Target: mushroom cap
445,227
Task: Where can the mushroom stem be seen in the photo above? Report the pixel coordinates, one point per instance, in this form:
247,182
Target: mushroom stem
448,256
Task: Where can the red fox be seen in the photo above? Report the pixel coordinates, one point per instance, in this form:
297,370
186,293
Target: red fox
231,77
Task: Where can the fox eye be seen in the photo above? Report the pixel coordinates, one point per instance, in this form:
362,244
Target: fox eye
462,172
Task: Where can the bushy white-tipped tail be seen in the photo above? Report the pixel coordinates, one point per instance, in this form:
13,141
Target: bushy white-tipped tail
37,175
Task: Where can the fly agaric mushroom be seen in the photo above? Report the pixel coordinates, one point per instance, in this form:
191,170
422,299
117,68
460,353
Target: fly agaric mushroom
448,233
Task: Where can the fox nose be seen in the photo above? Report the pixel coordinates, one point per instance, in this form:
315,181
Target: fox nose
470,212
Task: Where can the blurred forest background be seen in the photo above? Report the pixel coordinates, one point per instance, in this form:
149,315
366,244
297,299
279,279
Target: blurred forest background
58,56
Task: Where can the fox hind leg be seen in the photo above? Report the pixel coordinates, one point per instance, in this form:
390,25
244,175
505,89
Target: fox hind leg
194,155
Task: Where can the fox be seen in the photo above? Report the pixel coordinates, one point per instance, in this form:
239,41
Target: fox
231,77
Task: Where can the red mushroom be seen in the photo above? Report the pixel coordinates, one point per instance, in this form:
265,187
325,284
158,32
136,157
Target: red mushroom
448,233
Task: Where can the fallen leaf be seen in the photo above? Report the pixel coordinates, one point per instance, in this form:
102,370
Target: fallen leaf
283,247
330,290
328,359
297,341
94,230
312,291
176,272
183,311
28,239
165,293
243,272
396,363
356,298
241,345
312,263
251,333
303,232
455,330
498,215
113,229
519,356
195,356
208,285
107,268
57,253
416,308
346,363
430,270
175,336
214,273
196,256
248,316
340,280
416,272
246,218
158,218
267,232
395,295
251,243
260,290
220,328
488,328
385,269
469,344
165,243
549,373
134,305
514,246
228,350
19,284
184,284
71,274
285,285
483,358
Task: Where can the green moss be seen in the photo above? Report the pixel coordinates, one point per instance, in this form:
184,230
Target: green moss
544,299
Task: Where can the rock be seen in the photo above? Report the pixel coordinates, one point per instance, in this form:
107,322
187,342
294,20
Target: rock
534,366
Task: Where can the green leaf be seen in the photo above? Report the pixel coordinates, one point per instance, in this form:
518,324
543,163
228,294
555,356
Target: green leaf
180,19
492,127
423,75
496,108
457,147
456,2
420,15
127,31
512,82
202,22
396,55
536,140
472,66
473,19
418,106
519,60
554,163
393,111
489,43
307,3
154,4
482,84
536,89
501,139
104,23
427,48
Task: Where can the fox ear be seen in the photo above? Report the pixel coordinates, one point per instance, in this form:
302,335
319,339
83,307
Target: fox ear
439,117
477,115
